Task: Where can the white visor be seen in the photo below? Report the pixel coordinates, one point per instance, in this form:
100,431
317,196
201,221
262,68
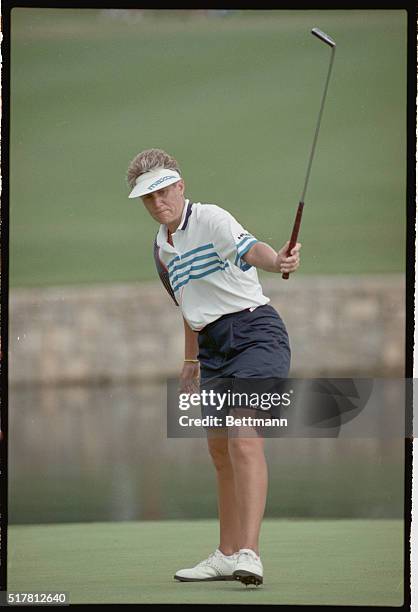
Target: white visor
153,180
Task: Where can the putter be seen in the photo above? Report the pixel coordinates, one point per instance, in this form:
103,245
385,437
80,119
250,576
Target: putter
293,239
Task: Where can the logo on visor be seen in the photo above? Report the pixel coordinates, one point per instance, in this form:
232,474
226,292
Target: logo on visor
160,180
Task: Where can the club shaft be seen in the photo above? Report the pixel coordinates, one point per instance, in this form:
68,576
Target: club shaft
305,186
296,225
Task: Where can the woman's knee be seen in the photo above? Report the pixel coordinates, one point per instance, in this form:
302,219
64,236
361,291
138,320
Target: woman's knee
244,448
218,450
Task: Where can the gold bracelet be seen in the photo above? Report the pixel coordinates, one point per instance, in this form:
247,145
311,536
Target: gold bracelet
191,361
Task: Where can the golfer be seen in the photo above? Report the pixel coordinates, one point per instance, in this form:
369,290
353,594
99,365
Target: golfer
208,263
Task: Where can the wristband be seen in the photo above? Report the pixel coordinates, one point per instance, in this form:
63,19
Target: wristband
191,361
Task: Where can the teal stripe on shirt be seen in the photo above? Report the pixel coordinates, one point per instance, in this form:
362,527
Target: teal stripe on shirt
243,240
244,266
185,255
243,249
196,276
207,264
210,255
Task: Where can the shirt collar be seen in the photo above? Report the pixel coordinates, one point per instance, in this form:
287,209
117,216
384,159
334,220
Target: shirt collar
184,215
187,211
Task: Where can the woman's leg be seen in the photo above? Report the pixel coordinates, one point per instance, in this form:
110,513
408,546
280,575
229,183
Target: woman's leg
229,516
251,480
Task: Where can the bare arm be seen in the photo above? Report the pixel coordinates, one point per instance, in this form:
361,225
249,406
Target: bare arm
191,347
263,256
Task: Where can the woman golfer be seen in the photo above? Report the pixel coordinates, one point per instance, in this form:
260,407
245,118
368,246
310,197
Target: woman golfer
208,263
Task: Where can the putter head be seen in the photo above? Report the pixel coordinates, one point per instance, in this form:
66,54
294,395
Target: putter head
324,37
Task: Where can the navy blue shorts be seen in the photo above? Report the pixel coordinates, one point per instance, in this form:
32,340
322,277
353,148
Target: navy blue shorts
242,346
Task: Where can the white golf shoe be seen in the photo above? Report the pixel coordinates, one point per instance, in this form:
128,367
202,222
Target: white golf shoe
248,569
216,567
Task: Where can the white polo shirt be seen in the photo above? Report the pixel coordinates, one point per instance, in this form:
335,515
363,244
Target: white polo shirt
205,268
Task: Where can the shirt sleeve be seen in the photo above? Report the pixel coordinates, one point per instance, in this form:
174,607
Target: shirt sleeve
230,239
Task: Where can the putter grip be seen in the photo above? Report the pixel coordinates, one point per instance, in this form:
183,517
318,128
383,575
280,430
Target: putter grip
295,232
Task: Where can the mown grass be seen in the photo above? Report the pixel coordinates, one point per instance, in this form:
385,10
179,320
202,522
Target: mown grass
346,562
235,99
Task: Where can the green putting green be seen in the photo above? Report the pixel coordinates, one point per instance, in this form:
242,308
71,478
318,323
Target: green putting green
321,562
235,99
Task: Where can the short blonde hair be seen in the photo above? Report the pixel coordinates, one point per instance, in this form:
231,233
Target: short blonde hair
148,160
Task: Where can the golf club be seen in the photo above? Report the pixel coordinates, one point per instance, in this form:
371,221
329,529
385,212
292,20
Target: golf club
329,41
